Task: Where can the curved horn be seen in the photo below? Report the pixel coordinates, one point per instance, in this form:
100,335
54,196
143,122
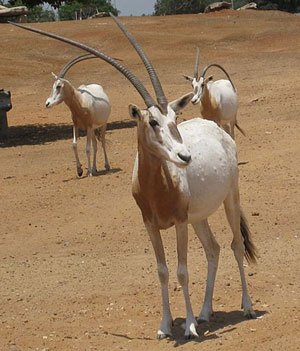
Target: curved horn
72,62
221,68
130,76
196,69
160,95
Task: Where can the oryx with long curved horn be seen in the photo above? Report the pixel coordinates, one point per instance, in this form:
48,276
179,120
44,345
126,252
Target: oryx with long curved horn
182,174
218,99
90,109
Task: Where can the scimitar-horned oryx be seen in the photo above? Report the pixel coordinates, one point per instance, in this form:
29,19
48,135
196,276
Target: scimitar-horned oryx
90,109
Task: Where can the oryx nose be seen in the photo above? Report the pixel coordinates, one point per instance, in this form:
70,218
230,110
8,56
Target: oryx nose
47,103
194,100
185,158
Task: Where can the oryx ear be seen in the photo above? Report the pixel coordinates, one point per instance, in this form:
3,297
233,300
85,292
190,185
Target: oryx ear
189,78
208,79
54,75
135,112
180,103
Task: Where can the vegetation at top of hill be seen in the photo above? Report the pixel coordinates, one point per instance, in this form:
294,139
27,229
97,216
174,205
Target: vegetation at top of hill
82,9
172,7
67,10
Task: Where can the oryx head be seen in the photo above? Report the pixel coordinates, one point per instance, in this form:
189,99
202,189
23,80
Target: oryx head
58,92
157,122
199,83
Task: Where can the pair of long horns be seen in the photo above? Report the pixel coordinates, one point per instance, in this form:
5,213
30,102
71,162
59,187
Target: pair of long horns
149,101
206,68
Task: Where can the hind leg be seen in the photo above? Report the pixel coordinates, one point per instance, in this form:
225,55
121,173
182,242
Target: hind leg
212,250
103,131
233,214
89,137
95,147
74,145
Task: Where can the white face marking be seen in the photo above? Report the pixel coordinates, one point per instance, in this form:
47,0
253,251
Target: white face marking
57,94
198,90
162,137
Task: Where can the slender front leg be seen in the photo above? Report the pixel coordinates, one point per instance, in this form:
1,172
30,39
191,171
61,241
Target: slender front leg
74,145
103,131
89,137
183,278
163,273
212,250
94,141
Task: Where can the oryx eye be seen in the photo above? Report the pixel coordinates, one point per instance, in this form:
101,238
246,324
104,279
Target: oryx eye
153,123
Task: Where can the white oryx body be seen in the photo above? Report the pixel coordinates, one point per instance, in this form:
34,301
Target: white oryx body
90,109
181,175
218,99
171,191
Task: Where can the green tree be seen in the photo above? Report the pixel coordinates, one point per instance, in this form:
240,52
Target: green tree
173,7
38,14
33,3
68,11
104,4
84,8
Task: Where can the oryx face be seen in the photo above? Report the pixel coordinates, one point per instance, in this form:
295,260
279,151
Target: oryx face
159,134
198,87
57,94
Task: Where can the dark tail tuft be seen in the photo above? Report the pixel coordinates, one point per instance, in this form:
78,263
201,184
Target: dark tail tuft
98,134
250,249
240,129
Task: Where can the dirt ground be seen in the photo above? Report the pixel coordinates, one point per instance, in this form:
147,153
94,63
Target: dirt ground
77,268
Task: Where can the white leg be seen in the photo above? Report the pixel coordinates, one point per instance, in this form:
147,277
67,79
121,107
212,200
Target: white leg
94,141
212,250
103,130
74,145
233,213
183,278
163,273
88,149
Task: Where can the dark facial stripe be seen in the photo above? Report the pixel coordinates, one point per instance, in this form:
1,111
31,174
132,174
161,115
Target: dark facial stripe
174,132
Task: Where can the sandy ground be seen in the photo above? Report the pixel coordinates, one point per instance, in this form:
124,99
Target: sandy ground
77,268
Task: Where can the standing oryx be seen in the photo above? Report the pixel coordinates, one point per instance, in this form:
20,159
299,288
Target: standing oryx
182,175
90,109
218,99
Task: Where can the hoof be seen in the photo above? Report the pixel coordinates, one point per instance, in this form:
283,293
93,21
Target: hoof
190,331
250,315
191,337
161,335
79,172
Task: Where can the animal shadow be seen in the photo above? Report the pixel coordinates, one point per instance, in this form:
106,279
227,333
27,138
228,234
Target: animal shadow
104,172
40,134
208,330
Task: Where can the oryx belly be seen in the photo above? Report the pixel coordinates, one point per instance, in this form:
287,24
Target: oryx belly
213,168
95,99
